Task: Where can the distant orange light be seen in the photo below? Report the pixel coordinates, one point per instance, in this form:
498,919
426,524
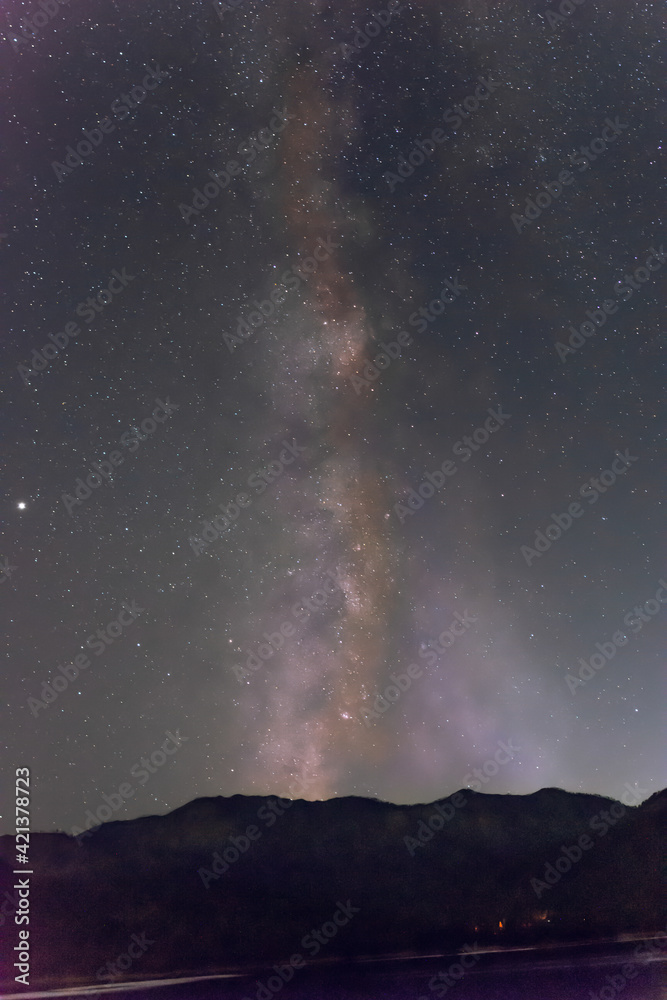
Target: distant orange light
500,924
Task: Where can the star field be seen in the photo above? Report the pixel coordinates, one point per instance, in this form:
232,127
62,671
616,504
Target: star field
199,414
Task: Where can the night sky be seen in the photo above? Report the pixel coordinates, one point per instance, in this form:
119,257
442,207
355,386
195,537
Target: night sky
192,391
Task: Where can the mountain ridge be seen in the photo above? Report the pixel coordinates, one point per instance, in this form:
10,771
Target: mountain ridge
228,883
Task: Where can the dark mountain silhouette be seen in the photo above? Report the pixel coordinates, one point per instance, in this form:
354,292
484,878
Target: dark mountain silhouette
228,883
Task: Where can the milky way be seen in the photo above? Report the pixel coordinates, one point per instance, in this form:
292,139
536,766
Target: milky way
339,501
